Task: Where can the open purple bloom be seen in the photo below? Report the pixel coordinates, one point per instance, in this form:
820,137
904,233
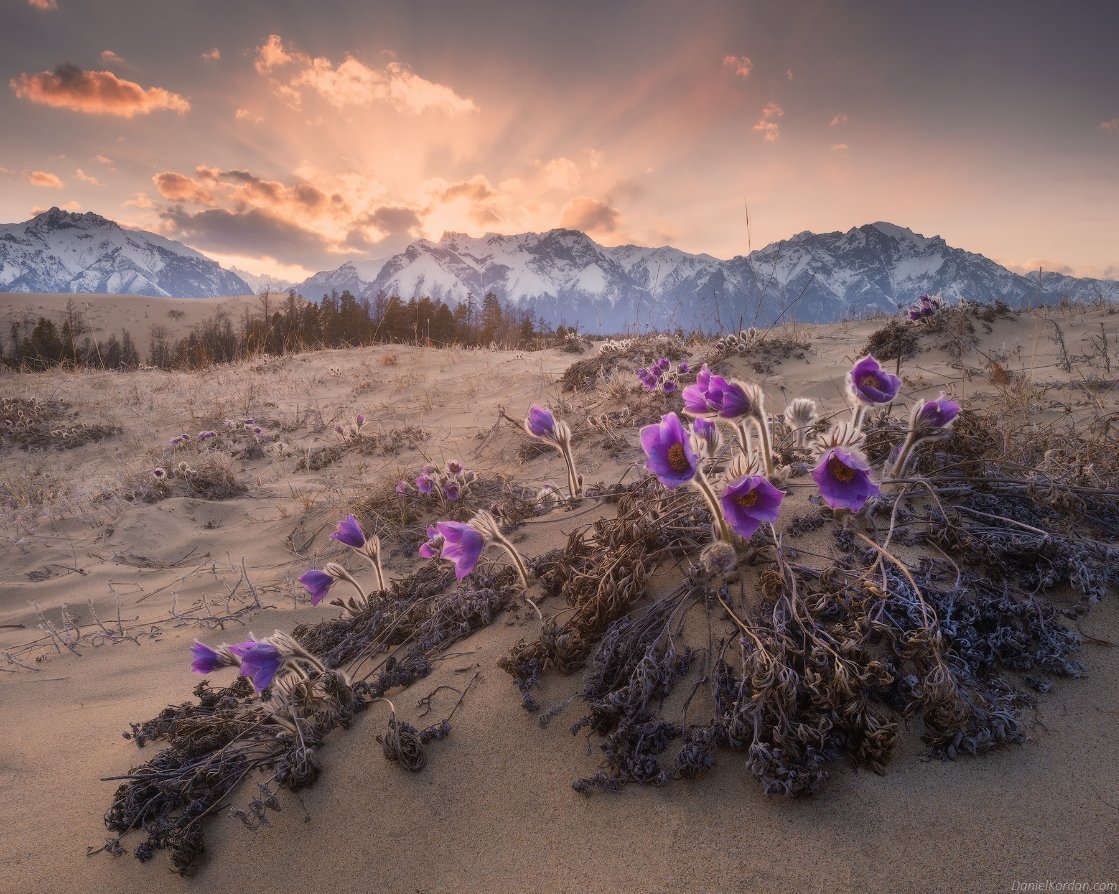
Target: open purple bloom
452,491
844,479
668,386
937,413
704,398
206,660
870,384
424,484
349,532
643,373
540,422
260,662
668,451
683,368
734,403
454,468
402,487
462,545
432,548
317,583
750,501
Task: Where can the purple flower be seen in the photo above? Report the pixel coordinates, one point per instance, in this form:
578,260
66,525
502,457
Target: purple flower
250,422
402,487
708,432
668,386
432,548
454,468
844,480
349,532
317,583
663,364
668,451
260,662
424,484
462,545
871,384
749,502
206,660
159,473
643,374
540,422
338,427
452,491
684,368
712,396
206,435
937,413
360,419
258,430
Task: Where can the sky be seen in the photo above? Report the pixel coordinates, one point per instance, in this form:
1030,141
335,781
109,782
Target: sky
286,137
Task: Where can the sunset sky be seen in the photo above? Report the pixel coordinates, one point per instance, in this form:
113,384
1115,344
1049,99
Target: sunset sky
289,137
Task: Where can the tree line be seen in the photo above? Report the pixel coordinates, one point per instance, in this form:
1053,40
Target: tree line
278,325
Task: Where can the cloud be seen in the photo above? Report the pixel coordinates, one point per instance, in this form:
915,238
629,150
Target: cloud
180,188
596,158
105,160
253,232
476,188
352,82
561,173
65,206
140,200
94,93
86,178
44,5
590,215
212,55
788,74
767,125
741,65
246,115
839,147
111,58
838,119
394,219
43,178
1112,125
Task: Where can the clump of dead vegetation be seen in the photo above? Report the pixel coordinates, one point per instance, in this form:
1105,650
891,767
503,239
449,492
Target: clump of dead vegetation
365,443
34,424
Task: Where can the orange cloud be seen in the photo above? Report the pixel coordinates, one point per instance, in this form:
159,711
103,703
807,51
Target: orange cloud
43,178
561,173
767,125
741,65
246,115
180,188
839,119
105,160
212,55
352,82
108,56
86,178
44,5
95,93
140,200
590,215
1112,125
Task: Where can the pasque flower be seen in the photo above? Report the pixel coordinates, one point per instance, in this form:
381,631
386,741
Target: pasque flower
935,414
844,480
871,384
260,662
541,423
317,583
668,451
349,532
462,544
207,660
750,501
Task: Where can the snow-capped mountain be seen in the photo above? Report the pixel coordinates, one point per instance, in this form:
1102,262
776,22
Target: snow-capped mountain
263,282
62,251
563,276
325,282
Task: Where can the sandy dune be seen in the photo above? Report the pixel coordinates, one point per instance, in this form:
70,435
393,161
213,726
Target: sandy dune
494,809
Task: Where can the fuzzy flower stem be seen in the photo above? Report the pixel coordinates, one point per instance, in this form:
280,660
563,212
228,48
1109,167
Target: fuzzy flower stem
572,476
762,425
374,559
745,440
346,576
519,564
704,487
904,455
858,415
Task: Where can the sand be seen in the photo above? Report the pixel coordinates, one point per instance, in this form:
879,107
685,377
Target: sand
494,809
